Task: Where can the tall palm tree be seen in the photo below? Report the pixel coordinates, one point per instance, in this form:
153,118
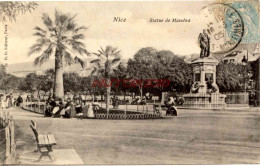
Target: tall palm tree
63,39
105,65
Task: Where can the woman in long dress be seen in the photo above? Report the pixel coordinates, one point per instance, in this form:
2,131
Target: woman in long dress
3,102
90,113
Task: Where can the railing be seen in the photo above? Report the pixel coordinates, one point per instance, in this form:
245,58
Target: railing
124,108
35,106
237,99
7,125
204,101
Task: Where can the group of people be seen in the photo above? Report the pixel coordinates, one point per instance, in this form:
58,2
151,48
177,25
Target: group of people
57,108
7,101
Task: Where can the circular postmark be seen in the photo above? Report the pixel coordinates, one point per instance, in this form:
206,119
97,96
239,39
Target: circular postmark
224,26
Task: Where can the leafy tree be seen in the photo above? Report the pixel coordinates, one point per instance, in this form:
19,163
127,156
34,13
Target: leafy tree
72,82
8,82
49,79
174,68
63,39
31,83
117,83
141,67
149,63
105,65
10,9
230,76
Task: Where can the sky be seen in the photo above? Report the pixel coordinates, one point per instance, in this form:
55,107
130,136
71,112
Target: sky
130,36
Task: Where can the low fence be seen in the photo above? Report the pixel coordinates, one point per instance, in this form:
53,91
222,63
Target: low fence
204,101
148,110
7,125
237,99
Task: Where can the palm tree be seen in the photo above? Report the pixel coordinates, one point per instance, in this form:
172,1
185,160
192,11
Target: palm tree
105,65
10,10
61,38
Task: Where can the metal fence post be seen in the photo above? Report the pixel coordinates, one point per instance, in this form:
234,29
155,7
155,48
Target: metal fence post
7,137
39,106
12,137
125,108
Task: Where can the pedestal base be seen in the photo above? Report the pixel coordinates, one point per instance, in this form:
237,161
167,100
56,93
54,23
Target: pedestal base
204,100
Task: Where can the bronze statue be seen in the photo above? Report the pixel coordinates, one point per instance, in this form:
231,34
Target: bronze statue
204,41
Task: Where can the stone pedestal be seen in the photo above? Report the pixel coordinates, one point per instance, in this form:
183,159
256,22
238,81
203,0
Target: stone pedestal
204,92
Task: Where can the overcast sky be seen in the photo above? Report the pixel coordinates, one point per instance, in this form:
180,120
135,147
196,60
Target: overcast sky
137,32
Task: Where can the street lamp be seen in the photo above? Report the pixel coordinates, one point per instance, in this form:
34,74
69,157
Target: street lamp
244,63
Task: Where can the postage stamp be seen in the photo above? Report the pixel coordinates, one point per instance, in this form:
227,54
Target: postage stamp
249,12
224,26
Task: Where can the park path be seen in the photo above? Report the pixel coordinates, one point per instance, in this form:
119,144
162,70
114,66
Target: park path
194,137
26,144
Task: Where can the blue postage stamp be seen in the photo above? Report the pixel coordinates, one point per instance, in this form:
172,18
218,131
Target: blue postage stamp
248,11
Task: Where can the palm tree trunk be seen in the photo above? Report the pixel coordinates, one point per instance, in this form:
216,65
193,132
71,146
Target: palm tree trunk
58,83
108,98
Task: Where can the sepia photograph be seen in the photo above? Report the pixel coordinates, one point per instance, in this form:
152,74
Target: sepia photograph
129,82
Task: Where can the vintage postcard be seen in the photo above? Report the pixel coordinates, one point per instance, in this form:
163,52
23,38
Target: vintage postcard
129,82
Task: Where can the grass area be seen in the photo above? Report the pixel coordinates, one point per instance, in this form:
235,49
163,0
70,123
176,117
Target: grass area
194,137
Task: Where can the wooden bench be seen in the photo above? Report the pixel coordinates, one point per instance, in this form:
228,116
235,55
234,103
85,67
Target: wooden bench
43,141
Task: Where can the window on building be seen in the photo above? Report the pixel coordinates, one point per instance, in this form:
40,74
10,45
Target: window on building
197,76
209,77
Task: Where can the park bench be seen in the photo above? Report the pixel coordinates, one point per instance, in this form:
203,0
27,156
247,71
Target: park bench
43,141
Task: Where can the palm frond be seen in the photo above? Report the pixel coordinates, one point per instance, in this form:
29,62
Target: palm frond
78,36
78,60
45,55
68,58
39,34
80,29
40,29
95,61
94,71
47,20
116,60
41,43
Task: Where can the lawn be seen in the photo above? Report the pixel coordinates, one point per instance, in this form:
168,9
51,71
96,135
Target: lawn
193,137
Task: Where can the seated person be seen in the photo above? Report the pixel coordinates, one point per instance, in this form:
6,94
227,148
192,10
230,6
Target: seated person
65,113
170,102
57,110
48,110
19,100
95,105
172,110
50,104
78,106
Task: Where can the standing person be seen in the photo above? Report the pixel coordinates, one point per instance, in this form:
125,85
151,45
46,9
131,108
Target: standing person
12,99
28,98
90,113
3,101
204,42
